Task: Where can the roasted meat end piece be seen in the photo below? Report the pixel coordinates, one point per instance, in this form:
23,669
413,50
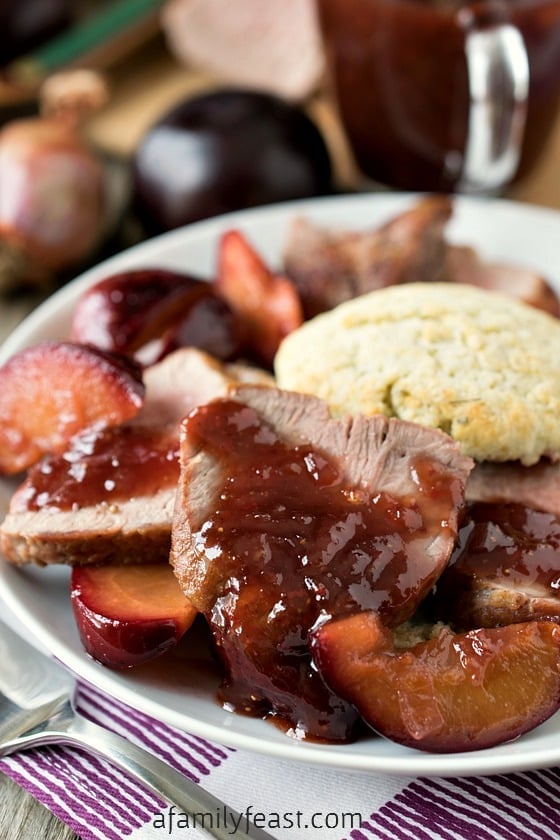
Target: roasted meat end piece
452,693
330,267
536,486
463,265
504,569
285,515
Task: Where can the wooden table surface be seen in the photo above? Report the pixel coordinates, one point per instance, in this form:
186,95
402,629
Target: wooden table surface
143,87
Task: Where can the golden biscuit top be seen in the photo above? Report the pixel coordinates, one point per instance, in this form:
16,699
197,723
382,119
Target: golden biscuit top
479,365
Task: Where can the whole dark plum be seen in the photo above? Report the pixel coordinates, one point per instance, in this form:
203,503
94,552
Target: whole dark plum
223,151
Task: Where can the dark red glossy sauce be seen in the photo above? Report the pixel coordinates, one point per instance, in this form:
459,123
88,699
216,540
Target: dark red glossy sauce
510,542
292,543
400,80
107,465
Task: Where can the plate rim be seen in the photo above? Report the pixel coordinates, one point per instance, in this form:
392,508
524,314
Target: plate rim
411,762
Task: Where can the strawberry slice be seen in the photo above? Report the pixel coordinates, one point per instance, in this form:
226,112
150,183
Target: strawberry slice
266,302
52,390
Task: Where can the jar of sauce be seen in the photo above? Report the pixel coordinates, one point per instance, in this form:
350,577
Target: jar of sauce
441,95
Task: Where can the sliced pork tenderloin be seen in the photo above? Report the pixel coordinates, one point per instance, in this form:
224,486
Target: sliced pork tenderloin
537,486
286,517
110,496
464,265
504,569
329,267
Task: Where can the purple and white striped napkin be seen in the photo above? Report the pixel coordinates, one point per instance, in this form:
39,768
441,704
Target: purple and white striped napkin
294,802
101,803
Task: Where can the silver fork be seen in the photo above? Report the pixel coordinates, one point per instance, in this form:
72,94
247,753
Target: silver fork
36,708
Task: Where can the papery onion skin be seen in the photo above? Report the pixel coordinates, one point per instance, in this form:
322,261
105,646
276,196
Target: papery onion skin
52,201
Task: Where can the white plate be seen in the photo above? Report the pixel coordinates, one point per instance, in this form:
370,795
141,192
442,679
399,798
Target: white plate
39,597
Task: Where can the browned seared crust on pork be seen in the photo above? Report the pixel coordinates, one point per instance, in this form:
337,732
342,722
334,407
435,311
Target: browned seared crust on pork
329,267
478,603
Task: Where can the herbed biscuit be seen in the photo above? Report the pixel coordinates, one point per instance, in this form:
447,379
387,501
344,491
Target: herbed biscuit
481,366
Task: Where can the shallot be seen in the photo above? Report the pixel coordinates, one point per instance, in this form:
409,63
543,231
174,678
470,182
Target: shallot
52,188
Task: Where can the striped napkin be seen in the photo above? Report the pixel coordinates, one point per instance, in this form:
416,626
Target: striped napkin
100,803
292,801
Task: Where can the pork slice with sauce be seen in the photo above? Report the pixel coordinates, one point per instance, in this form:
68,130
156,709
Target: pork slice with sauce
110,496
505,568
286,517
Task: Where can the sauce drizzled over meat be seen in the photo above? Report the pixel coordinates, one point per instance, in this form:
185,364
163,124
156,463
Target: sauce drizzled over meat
287,542
504,569
512,541
111,464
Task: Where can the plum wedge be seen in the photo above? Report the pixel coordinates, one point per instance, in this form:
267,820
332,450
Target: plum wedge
451,693
126,311
55,389
266,302
127,615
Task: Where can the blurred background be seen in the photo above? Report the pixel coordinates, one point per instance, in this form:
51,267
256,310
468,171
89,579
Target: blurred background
170,154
